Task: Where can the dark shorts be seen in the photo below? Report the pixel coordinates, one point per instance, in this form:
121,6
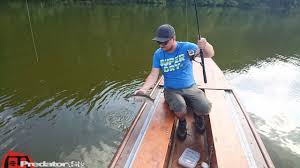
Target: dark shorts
193,97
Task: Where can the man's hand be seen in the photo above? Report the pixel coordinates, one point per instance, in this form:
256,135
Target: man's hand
141,91
208,49
202,43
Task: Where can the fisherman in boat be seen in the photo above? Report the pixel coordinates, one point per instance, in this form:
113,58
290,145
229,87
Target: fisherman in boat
173,58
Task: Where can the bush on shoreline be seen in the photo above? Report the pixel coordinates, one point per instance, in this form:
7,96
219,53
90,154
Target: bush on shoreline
274,4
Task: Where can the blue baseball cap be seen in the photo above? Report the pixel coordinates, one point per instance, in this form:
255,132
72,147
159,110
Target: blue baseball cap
164,33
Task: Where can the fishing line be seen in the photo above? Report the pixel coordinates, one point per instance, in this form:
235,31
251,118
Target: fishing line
32,36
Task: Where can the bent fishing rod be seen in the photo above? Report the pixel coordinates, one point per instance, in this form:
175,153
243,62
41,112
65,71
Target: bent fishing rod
201,50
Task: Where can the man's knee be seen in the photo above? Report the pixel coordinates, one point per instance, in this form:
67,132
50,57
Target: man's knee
204,108
179,107
207,107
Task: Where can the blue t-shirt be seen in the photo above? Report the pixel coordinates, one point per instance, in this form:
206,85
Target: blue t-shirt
176,66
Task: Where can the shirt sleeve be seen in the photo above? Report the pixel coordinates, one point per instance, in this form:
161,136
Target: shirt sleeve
191,46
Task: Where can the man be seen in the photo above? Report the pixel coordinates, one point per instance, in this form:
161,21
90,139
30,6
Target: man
173,59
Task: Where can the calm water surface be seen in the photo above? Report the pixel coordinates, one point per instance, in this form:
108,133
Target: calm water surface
67,102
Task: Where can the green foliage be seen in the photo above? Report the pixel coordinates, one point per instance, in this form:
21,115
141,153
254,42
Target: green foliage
230,3
287,3
278,4
282,4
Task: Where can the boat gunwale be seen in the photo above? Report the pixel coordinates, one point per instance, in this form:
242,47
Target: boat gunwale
131,128
257,138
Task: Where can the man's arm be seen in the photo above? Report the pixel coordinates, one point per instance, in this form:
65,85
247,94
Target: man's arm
150,81
207,48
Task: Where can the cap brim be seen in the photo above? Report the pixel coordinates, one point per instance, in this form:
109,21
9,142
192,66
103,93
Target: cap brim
160,39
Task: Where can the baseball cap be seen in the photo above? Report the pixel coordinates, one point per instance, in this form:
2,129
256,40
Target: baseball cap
164,33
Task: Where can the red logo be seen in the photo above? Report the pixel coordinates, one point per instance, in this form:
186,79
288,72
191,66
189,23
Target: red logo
14,159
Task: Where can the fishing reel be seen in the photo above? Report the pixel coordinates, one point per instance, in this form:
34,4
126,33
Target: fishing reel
193,54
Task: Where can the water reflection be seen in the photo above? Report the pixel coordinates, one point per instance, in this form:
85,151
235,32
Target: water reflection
36,124
270,92
70,105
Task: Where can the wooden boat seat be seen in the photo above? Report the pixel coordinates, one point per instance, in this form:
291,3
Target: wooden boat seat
227,145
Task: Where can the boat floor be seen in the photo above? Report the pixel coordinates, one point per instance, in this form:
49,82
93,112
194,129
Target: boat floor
194,141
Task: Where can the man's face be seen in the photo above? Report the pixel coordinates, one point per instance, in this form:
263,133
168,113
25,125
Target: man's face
168,45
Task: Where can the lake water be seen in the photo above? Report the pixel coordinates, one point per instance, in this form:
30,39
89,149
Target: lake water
66,101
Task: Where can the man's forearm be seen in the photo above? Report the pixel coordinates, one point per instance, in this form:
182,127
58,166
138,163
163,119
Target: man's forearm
207,48
150,81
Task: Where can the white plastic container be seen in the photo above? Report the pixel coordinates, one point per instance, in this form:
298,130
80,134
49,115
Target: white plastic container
189,158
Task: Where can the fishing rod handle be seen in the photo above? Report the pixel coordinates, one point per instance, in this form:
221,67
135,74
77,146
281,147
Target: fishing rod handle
199,37
203,65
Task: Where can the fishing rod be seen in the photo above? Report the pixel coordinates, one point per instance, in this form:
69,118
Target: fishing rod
32,36
201,50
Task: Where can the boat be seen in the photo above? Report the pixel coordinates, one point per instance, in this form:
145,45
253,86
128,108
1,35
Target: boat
230,139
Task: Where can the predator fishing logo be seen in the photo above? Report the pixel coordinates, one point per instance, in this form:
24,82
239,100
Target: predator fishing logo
14,159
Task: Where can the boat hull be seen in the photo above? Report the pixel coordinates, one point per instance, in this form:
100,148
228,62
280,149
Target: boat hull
230,137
